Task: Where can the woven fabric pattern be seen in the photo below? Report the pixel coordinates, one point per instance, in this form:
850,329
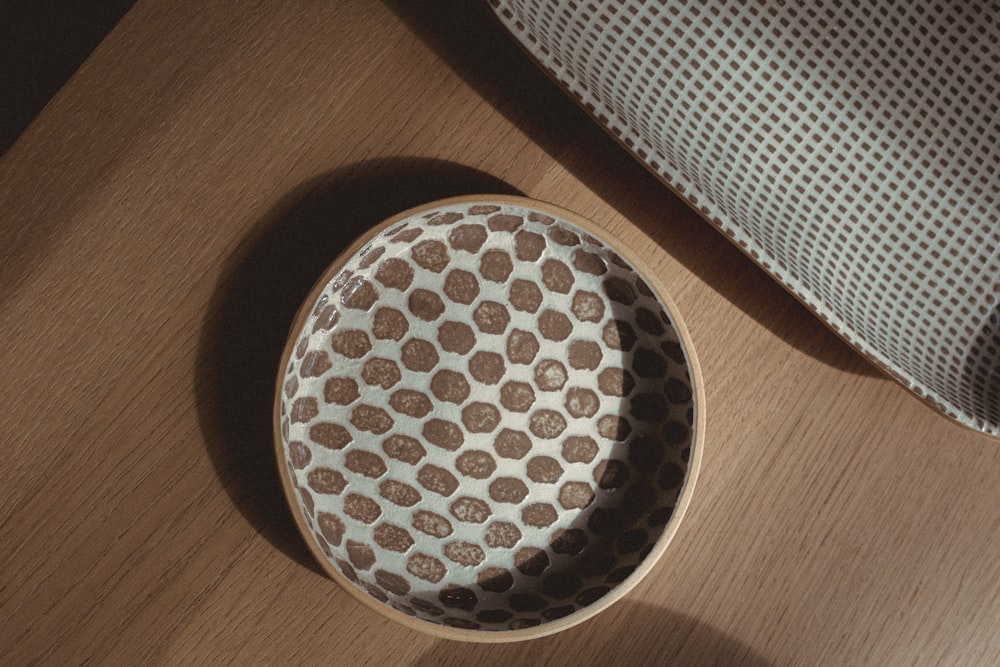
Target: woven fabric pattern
851,149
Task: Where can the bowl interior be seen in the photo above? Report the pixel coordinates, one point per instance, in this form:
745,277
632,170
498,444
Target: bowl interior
485,417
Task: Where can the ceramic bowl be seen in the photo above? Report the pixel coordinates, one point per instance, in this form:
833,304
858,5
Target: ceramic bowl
488,419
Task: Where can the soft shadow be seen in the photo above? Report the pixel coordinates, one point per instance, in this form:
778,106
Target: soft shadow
471,41
982,375
643,635
41,45
262,285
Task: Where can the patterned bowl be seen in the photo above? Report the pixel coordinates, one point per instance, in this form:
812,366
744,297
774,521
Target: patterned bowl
488,422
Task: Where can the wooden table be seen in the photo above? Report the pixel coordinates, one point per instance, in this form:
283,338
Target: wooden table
165,214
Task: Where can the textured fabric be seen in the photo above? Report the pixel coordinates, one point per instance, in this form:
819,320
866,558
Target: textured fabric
850,148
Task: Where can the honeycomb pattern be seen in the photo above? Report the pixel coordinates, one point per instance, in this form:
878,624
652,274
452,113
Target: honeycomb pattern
850,148
487,418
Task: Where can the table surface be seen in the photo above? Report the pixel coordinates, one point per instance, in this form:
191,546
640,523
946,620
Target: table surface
165,214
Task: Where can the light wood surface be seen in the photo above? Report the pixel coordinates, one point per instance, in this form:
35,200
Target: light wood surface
166,213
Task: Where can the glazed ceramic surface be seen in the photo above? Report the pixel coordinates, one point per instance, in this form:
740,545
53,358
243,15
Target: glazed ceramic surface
486,419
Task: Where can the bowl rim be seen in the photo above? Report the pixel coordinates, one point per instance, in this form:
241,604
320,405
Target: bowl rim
684,495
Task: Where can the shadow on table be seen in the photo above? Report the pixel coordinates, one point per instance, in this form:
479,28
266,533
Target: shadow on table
470,41
646,635
262,286
41,45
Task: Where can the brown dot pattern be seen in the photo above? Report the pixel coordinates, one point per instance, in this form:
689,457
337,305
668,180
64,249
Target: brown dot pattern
487,418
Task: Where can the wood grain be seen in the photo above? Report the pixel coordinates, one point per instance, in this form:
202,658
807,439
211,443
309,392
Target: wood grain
162,219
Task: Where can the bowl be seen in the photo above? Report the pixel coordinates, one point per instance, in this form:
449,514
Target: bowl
488,419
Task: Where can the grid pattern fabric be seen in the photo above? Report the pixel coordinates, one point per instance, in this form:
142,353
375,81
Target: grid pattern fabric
851,148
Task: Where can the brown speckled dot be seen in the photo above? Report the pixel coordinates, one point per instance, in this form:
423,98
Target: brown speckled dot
611,474
582,402
426,567
563,236
419,355
502,535
304,409
437,479
392,537
470,510
480,417
362,508
380,372
425,304
491,317
674,433
291,388
504,222
575,495
327,319
649,321
606,521
331,436
411,403
468,237
365,463
447,218
302,347
619,290
618,335
483,209
547,424
464,553
372,419
508,490
529,246
461,286
395,273
340,391
522,346
569,541
496,265
557,276
544,470
443,433
550,375
331,527
588,307
399,493
359,294
487,367
475,463
404,448
392,582
677,391
671,476
426,607
554,325
615,382
389,324
450,386
511,444
299,454
614,427
579,449
517,396
525,295
326,480
341,280
496,580
587,262
456,337
585,355
431,255
315,363
458,597
307,501
408,235
540,515
531,561
431,524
